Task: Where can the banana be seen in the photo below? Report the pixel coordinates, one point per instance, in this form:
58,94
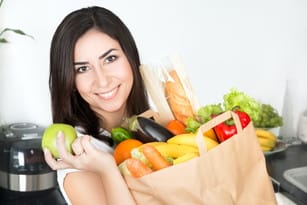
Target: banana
266,142
267,139
175,150
185,157
189,139
262,133
265,148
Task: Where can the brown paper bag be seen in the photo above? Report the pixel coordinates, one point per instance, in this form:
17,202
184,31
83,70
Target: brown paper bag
234,172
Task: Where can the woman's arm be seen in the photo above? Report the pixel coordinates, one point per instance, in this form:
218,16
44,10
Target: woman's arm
84,188
116,188
91,188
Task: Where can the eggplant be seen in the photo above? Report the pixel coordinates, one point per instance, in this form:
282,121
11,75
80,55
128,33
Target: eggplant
147,130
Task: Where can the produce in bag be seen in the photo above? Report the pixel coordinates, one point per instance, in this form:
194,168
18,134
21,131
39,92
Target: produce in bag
153,76
170,90
206,179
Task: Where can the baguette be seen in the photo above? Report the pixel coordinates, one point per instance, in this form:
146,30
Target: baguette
177,99
155,87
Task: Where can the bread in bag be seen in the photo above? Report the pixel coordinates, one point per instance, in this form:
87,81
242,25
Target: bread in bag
177,98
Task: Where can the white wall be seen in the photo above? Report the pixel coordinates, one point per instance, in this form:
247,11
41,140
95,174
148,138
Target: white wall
255,46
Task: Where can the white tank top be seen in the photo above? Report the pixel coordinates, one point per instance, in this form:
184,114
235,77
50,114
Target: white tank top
62,173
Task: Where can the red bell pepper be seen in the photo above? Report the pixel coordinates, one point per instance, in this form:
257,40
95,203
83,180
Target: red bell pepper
227,129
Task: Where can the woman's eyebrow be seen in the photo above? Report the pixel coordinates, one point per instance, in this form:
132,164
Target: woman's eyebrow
100,57
80,63
106,53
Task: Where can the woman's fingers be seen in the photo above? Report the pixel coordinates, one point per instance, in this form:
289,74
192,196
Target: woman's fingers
77,147
54,164
61,146
86,155
49,159
67,160
86,144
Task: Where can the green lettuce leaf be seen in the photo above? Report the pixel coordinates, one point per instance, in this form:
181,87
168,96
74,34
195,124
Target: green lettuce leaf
237,99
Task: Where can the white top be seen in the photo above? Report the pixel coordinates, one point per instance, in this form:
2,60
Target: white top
61,174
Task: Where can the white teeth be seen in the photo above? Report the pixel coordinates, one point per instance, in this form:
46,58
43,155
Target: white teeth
108,95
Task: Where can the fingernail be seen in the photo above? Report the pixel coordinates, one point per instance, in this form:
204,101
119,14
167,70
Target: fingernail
60,134
45,150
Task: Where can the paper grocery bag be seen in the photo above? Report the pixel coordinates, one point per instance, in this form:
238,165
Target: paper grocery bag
234,172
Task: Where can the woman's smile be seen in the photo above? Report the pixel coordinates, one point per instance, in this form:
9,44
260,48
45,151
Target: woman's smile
109,94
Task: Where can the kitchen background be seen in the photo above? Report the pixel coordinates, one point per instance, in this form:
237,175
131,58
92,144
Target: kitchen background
259,47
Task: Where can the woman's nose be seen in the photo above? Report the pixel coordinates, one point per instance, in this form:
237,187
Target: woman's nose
102,78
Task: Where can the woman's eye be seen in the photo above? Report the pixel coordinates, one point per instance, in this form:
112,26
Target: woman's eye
82,69
110,59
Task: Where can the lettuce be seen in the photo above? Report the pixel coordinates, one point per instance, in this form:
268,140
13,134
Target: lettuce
244,102
262,115
205,113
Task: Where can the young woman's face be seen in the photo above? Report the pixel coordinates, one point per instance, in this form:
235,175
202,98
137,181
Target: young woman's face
103,74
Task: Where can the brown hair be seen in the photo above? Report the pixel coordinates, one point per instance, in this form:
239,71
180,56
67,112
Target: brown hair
67,105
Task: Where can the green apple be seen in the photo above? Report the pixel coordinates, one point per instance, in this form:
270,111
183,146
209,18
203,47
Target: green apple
50,135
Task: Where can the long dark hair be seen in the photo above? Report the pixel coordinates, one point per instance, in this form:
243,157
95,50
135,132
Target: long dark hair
67,104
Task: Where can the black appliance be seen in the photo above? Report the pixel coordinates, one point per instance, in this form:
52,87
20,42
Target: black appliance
25,178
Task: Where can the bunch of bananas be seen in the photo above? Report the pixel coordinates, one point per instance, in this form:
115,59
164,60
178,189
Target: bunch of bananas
182,147
267,139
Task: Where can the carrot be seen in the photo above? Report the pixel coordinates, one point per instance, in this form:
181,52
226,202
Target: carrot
154,157
176,127
137,168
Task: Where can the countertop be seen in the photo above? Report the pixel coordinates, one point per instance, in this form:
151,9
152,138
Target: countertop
294,156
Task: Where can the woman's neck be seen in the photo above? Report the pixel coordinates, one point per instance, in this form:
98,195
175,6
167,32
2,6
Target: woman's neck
111,120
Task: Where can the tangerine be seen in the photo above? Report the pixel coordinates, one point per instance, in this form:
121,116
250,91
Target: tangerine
122,150
176,127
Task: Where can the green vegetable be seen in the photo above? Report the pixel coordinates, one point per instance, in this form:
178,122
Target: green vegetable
244,102
192,125
262,115
269,117
205,113
119,134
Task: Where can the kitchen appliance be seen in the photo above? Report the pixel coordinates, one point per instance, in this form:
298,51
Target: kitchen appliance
23,167
24,174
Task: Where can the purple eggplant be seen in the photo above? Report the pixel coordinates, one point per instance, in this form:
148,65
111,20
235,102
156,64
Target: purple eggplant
147,130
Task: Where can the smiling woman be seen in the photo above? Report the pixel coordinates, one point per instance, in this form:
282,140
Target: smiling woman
104,76
95,83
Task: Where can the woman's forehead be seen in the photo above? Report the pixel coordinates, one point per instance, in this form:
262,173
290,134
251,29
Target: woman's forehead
94,42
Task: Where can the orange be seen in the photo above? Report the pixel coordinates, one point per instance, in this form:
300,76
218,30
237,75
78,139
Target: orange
176,127
123,150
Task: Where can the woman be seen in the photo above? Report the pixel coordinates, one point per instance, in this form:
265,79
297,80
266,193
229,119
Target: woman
95,83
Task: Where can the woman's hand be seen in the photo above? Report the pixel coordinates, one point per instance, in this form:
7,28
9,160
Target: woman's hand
86,156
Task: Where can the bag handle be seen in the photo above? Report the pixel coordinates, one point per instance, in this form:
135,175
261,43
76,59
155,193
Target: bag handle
202,148
151,114
148,114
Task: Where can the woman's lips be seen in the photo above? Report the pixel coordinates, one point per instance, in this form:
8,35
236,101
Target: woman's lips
108,95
